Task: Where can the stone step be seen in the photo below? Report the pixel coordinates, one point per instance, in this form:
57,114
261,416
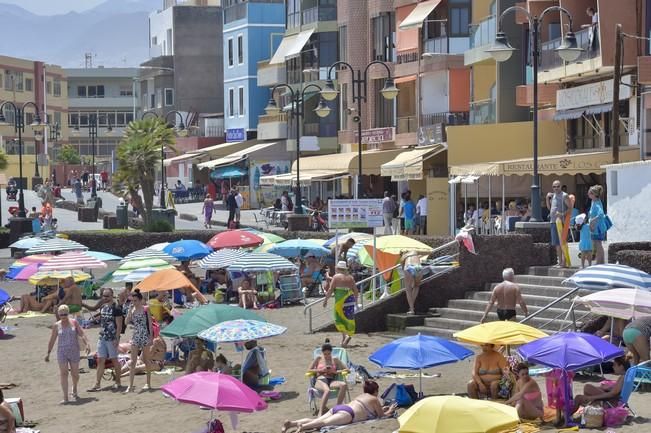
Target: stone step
398,322
474,305
541,290
429,330
551,271
531,300
540,280
472,320
473,315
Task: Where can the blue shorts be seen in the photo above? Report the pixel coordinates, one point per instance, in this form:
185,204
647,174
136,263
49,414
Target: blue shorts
106,349
556,241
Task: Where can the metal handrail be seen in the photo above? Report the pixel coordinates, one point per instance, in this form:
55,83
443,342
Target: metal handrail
551,304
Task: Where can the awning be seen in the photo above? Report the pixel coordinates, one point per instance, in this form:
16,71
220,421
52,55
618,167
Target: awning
347,162
404,79
235,157
169,161
219,150
570,164
598,109
308,95
307,177
408,165
574,113
417,16
291,46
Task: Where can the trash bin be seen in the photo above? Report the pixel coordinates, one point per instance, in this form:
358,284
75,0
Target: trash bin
123,216
164,214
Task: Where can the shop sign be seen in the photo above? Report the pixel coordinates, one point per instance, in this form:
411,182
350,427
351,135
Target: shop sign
377,135
591,94
431,134
235,134
354,214
569,165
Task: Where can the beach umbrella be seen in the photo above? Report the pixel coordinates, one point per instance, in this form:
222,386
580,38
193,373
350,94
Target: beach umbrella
269,238
26,243
4,297
127,267
105,257
262,262
298,248
148,253
23,273
417,352
188,249
215,391
235,239
602,277
27,260
342,238
159,246
397,243
502,333
53,277
221,258
453,414
239,330
72,261
169,279
56,245
620,303
136,275
264,248
195,320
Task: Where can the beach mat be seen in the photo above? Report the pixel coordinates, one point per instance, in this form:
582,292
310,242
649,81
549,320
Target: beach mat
395,375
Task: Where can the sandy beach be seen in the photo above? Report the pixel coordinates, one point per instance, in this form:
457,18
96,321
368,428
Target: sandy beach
22,362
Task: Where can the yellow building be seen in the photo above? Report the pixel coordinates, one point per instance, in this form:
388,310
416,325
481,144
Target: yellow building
22,81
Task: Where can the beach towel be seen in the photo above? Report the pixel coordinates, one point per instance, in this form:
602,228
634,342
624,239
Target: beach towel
167,371
394,375
29,314
525,427
340,427
465,239
344,310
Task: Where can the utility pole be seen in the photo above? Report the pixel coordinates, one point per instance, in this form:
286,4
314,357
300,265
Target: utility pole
614,136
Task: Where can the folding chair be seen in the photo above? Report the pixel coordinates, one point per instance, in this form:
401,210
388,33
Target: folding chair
290,289
314,395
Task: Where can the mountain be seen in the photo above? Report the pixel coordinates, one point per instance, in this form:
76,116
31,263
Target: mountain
115,32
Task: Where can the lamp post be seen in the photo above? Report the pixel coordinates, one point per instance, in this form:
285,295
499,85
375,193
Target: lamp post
19,127
92,134
297,111
180,131
360,80
54,135
502,51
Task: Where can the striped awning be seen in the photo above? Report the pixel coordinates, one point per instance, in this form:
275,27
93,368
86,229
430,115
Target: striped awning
71,261
262,262
221,259
148,253
56,245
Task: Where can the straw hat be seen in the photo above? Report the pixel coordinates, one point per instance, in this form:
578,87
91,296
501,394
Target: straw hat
342,265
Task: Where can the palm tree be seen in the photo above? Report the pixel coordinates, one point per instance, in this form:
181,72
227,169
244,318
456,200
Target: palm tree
139,154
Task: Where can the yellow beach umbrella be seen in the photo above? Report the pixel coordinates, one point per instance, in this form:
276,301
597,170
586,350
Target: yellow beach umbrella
453,414
50,278
396,244
503,333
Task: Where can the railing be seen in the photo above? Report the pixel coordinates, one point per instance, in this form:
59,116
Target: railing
308,309
235,12
407,56
407,124
483,33
319,13
549,58
560,317
457,118
446,45
268,118
214,131
482,111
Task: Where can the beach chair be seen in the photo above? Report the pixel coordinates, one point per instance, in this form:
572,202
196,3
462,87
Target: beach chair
5,306
264,379
635,376
314,395
290,289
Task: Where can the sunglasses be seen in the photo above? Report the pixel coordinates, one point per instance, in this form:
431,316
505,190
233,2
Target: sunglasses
63,314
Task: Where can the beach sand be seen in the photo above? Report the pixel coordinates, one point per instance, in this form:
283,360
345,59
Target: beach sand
22,362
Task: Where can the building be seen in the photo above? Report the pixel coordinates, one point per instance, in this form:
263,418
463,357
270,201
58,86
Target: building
109,97
23,81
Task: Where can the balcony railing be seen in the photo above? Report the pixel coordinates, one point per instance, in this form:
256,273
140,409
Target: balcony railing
407,124
482,111
456,118
235,12
317,14
446,45
549,58
408,56
483,33
280,117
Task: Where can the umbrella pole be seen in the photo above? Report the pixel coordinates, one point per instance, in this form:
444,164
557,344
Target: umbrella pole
374,282
612,328
420,383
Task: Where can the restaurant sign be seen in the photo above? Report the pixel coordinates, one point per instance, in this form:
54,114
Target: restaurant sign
377,135
567,164
591,94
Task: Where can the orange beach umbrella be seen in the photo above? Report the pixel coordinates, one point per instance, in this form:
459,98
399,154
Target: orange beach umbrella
169,279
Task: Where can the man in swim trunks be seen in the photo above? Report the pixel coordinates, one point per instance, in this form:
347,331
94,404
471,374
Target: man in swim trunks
72,295
506,294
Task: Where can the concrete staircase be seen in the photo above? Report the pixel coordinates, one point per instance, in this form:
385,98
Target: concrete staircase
540,286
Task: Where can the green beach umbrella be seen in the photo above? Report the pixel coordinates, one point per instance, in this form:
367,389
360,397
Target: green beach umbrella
132,265
198,319
269,238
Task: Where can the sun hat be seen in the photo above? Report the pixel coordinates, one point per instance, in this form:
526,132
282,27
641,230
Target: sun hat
580,219
342,265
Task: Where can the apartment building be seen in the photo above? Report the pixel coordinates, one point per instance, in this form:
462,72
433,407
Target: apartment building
23,81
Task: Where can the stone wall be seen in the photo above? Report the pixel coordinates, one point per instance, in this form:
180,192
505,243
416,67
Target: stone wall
615,248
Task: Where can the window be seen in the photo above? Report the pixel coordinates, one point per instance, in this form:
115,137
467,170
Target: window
152,101
29,84
73,119
48,87
384,108
57,118
231,102
29,118
9,114
159,98
459,20
343,39
128,117
169,97
120,119
126,91
230,52
14,81
241,100
293,13
240,49
383,35
18,77
81,91
83,119
57,88
154,41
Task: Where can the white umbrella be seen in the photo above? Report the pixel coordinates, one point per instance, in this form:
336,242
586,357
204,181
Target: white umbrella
148,253
56,245
620,303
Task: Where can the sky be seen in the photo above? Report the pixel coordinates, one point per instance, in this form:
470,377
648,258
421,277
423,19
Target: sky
54,7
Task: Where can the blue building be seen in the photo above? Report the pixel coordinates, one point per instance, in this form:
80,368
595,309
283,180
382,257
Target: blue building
252,31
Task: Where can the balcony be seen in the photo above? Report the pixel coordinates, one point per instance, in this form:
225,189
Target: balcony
319,14
552,67
270,75
482,35
235,12
482,111
446,45
272,127
407,124
114,102
456,118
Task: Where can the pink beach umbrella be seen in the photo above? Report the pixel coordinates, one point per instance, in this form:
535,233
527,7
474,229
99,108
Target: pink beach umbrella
74,260
27,272
215,391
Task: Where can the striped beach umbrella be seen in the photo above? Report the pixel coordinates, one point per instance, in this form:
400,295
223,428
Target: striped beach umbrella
148,253
135,276
602,277
53,277
26,243
132,265
262,262
56,245
221,258
72,261
105,257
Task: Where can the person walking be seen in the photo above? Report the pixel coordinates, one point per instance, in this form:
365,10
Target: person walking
111,319
421,212
558,203
597,222
388,209
239,200
141,338
67,331
207,210
506,295
78,191
231,205
342,285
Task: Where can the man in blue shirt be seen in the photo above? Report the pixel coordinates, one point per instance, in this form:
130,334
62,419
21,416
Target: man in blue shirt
409,213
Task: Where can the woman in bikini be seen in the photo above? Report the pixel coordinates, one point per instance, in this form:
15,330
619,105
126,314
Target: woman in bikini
527,398
326,367
365,407
489,368
607,392
413,274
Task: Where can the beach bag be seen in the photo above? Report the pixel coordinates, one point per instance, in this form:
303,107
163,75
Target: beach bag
615,416
397,393
593,416
608,222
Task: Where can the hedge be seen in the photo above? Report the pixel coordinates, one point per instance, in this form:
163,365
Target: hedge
614,248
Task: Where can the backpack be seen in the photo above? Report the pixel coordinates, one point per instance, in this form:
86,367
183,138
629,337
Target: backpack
402,395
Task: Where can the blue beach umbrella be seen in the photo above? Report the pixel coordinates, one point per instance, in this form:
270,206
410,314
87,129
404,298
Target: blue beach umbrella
104,257
189,249
298,248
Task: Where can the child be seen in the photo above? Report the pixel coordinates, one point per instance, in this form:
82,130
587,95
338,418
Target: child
585,242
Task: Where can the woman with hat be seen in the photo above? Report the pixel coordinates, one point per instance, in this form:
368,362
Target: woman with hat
342,285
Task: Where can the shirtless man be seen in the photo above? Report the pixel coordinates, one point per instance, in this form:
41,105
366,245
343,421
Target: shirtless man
506,294
72,296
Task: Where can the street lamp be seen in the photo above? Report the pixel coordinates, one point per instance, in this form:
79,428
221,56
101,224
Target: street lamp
181,131
92,134
297,111
501,51
19,127
329,93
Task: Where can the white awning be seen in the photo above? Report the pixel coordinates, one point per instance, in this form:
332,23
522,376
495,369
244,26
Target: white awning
188,156
307,177
408,165
234,158
417,16
291,46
